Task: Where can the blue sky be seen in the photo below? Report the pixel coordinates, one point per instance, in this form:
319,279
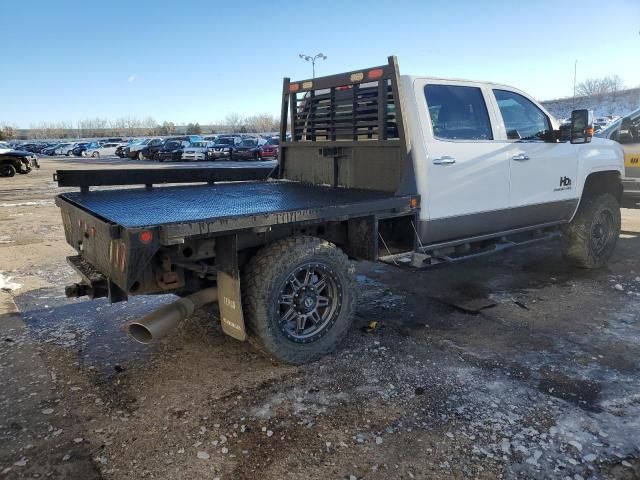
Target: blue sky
198,60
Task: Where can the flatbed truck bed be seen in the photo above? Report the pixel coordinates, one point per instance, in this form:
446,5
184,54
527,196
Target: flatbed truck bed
182,211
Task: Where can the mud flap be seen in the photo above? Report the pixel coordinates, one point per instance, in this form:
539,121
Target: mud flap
229,296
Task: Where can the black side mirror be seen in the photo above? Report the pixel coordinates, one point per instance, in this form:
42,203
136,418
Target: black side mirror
581,126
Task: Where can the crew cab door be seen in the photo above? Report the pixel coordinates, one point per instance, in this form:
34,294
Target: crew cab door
466,175
542,173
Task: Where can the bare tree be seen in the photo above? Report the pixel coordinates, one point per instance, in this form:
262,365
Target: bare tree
167,128
262,123
595,86
234,121
8,130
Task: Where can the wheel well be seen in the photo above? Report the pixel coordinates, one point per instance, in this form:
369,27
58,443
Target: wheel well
603,182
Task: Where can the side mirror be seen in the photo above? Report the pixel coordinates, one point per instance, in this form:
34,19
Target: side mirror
581,126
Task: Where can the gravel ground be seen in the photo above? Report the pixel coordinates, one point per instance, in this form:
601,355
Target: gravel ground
514,366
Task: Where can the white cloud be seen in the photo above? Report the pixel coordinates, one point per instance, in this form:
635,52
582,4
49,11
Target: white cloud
132,78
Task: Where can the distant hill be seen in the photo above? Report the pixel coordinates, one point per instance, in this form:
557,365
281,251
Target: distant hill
615,103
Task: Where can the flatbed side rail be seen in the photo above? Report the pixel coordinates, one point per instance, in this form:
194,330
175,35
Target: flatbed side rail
154,176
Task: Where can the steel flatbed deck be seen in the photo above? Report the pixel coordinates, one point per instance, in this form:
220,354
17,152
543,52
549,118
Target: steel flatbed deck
186,211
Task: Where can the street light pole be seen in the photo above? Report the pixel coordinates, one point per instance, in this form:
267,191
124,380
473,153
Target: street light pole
312,59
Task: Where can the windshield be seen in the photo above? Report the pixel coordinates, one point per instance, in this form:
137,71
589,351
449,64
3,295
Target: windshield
198,144
273,141
249,142
172,145
225,141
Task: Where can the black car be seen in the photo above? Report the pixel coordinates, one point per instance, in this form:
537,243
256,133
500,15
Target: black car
147,150
171,151
82,147
121,151
15,161
28,147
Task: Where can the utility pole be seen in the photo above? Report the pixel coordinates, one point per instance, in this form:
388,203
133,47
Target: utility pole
312,59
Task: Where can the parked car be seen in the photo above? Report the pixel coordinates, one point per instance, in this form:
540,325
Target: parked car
144,149
249,149
5,147
50,149
197,151
15,161
171,150
80,147
27,147
224,147
270,148
101,149
61,149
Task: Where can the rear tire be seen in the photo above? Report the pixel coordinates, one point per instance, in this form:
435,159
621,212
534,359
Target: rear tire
7,170
299,297
140,156
95,154
590,239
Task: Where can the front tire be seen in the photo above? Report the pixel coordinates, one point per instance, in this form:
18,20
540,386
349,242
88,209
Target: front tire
7,170
95,154
299,297
590,239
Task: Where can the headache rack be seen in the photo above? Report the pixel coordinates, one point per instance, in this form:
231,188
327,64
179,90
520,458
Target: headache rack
347,130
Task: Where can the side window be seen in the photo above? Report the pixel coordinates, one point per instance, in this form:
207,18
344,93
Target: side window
458,113
523,120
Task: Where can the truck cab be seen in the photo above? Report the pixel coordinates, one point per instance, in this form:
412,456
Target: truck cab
486,160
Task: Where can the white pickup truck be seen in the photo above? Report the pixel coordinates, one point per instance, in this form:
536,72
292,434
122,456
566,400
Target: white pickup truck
414,171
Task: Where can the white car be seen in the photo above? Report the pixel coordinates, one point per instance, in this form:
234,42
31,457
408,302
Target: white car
5,147
64,149
102,150
197,151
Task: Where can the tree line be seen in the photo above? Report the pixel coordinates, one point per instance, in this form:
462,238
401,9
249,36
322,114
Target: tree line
134,126
596,86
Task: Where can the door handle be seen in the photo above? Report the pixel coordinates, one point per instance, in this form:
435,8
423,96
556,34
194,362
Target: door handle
521,157
444,160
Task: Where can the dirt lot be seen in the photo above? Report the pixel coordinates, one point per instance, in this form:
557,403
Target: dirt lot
514,366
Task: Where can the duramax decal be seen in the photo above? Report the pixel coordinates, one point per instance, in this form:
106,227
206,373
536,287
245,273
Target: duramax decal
565,184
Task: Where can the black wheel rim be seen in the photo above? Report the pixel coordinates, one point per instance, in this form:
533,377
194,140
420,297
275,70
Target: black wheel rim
601,231
309,302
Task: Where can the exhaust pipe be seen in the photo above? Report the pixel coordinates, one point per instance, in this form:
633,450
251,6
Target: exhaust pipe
157,324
